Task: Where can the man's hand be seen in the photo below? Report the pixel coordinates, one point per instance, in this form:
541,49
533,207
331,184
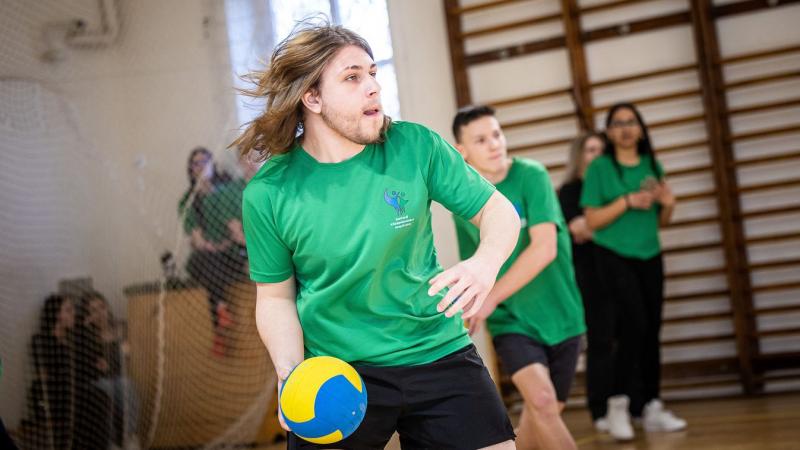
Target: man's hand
475,323
281,420
470,281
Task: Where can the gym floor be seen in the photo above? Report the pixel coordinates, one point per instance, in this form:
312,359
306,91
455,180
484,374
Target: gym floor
762,423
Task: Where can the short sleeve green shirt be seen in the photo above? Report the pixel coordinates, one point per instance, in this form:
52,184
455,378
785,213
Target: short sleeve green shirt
213,212
549,308
357,237
634,234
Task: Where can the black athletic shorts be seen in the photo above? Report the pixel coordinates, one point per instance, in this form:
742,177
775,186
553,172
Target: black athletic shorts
517,351
451,403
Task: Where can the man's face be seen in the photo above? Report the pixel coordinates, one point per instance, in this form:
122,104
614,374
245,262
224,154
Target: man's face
483,145
349,96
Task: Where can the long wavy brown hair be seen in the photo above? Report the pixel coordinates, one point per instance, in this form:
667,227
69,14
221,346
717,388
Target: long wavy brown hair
295,67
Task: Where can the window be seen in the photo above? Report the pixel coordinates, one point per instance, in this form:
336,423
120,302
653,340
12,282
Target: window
254,27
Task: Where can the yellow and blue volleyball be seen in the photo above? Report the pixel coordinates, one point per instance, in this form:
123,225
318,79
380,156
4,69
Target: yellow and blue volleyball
323,400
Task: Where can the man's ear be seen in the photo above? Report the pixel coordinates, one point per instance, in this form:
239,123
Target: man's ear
312,100
463,150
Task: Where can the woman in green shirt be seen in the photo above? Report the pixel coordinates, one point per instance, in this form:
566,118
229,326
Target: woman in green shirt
626,199
211,210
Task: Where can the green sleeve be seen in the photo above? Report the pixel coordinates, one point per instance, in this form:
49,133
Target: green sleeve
270,258
452,182
540,196
592,195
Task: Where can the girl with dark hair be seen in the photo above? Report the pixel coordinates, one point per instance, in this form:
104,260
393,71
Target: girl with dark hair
51,398
626,199
212,216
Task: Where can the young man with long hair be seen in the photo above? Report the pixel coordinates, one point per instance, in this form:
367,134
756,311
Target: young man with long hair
338,231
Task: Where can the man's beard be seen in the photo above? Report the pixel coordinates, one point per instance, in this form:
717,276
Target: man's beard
349,129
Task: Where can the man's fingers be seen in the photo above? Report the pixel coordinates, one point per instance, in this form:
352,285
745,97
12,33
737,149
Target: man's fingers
474,307
439,282
452,295
467,296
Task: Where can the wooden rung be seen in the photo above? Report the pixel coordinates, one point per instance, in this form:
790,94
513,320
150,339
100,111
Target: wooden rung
643,75
691,248
539,145
779,333
609,5
481,6
538,120
773,238
676,121
771,211
775,264
697,295
691,222
654,99
762,54
733,85
767,133
697,340
696,195
777,287
694,273
529,98
778,309
637,26
765,107
689,171
769,186
510,26
515,50
699,317
683,146
789,156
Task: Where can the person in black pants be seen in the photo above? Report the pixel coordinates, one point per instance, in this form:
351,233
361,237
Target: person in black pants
598,311
626,199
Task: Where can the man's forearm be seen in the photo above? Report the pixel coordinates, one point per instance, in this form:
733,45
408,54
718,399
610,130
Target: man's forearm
499,230
279,328
529,265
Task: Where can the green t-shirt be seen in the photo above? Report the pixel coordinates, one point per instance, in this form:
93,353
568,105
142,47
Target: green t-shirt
634,234
549,308
214,211
357,236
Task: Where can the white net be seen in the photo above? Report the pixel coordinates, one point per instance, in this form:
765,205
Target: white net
128,316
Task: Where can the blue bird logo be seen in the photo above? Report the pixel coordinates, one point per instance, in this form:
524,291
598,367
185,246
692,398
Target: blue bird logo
396,201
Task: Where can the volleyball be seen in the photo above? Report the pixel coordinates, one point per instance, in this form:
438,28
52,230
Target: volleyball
323,400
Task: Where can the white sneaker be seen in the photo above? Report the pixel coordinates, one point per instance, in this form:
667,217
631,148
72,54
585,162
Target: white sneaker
619,420
601,424
656,418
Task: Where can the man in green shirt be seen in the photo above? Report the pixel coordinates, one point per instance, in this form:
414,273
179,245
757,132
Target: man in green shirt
338,231
534,312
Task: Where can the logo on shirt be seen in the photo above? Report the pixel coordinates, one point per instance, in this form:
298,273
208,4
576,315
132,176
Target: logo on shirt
396,199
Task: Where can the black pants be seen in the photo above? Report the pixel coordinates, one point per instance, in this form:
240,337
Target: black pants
599,313
635,290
